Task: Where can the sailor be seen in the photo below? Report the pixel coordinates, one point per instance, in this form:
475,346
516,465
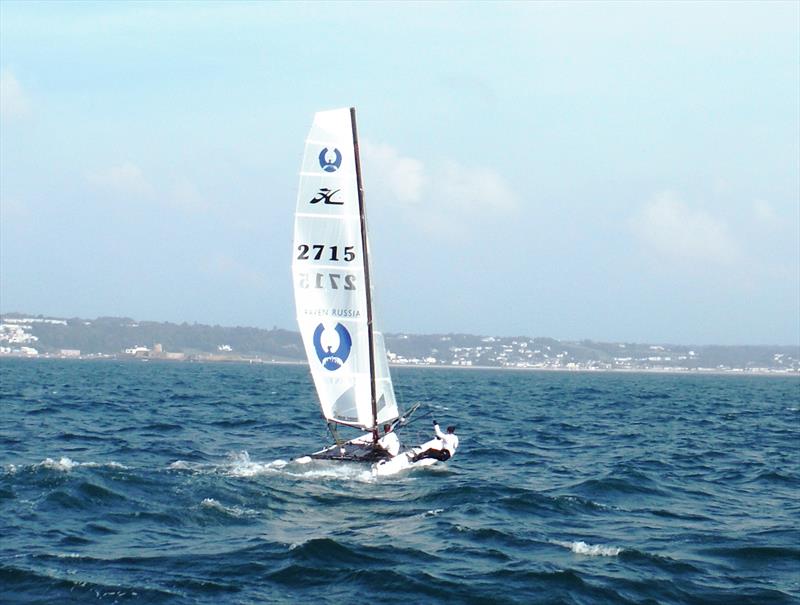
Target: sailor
442,448
389,442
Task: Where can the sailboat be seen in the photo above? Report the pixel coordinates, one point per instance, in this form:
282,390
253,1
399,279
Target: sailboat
334,294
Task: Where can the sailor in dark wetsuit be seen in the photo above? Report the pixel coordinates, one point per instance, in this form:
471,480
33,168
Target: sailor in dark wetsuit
442,448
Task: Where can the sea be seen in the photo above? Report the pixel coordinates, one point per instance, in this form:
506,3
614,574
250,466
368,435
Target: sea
176,483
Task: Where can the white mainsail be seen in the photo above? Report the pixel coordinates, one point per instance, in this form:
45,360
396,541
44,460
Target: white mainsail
332,290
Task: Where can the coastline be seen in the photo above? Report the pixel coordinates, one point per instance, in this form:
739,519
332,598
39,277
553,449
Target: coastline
289,362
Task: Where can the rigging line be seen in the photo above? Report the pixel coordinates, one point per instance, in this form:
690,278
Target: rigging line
334,433
405,419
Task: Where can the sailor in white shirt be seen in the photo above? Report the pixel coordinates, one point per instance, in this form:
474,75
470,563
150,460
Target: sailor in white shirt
442,448
389,442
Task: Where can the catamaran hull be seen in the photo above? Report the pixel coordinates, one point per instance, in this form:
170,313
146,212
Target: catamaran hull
399,463
382,464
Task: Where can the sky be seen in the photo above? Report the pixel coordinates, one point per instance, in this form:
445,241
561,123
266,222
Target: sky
604,171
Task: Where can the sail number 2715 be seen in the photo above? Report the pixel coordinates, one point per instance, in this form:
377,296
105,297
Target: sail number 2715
316,252
332,281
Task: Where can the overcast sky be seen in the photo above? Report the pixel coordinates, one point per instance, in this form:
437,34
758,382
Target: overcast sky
623,172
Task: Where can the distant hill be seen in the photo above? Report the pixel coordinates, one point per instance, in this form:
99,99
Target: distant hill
113,335
29,335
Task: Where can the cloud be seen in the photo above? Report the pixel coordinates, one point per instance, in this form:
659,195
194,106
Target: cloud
404,177
126,179
672,228
474,189
765,214
13,99
446,195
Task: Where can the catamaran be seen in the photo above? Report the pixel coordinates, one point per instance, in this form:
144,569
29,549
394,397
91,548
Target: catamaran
333,295
333,291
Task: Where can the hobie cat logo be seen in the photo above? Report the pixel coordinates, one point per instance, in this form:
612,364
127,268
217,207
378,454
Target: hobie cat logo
328,164
326,195
333,360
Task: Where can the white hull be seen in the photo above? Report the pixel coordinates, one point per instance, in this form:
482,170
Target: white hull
400,463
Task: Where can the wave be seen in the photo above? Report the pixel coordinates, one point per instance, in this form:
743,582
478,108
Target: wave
530,502
591,393
329,552
775,477
231,511
591,550
485,536
236,423
644,396
67,436
757,554
159,427
624,484
84,495
62,465
66,464
658,563
668,514
20,582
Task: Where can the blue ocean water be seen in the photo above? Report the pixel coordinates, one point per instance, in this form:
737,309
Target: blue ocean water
131,482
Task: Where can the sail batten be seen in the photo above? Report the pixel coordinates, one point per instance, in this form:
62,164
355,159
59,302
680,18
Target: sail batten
330,268
327,217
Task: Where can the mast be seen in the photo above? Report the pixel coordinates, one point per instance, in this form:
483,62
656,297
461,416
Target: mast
367,283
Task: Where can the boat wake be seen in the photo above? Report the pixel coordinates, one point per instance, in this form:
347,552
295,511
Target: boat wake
240,464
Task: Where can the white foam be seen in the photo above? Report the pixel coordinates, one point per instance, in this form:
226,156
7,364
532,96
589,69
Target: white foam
111,464
335,470
183,465
234,511
577,500
596,550
240,465
65,464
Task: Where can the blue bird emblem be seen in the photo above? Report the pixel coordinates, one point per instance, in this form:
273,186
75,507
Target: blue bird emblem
330,165
333,360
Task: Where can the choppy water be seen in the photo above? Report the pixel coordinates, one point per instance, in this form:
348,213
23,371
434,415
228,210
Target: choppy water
168,483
